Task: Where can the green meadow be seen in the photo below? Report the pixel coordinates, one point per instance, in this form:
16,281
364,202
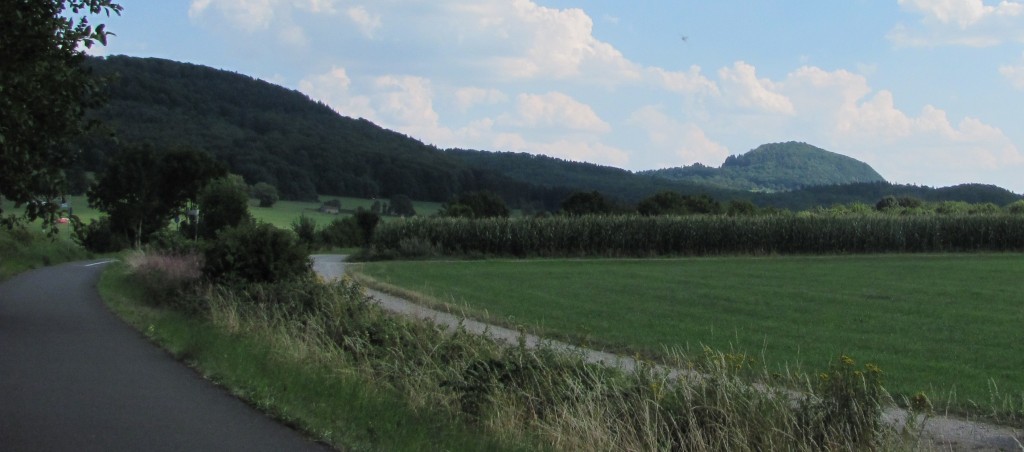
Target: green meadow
947,325
282,214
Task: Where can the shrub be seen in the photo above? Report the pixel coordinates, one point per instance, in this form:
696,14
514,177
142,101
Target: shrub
1016,208
224,203
305,229
98,236
367,222
256,253
342,233
265,193
167,278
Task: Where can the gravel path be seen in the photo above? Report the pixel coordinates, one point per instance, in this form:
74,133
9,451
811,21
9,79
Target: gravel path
946,433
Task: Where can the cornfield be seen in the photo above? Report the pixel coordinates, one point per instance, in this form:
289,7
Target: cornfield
639,236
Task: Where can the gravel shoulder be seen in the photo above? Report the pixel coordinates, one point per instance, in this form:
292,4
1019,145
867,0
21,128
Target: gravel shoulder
943,432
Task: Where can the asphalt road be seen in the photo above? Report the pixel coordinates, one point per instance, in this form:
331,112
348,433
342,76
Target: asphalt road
74,377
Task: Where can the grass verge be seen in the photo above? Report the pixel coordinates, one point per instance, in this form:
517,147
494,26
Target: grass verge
287,381
23,249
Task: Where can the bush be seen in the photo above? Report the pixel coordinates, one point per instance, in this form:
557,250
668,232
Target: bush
342,233
98,236
167,278
305,229
367,222
265,193
224,203
1016,208
256,253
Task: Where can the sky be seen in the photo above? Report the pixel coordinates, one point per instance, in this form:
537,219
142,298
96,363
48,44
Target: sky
928,92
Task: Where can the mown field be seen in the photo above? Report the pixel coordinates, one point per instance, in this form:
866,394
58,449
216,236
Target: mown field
946,324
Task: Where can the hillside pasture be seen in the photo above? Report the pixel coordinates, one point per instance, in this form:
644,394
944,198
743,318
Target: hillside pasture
945,324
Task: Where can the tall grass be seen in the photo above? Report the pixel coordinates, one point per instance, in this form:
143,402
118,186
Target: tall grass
23,249
699,235
535,399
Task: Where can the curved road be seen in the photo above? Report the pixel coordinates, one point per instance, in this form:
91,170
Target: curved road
75,377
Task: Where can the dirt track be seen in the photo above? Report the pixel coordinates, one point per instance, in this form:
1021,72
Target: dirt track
946,433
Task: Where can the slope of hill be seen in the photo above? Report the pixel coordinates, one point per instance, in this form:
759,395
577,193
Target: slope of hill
777,167
272,134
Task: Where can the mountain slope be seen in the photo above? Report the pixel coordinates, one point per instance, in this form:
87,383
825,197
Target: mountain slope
778,167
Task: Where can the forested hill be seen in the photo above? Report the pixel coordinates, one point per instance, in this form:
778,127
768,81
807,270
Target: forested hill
777,167
271,134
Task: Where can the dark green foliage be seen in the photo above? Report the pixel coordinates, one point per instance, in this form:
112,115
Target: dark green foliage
848,401
1016,208
256,253
265,193
706,235
475,205
777,167
305,229
672,203
44,94
740,207
97,236
224,203
342,233
336,203
902,202
401,205
367,222
142,189
587,203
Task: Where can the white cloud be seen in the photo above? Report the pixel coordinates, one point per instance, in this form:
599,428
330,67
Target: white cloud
964,13
677,143
367,23
557,110
542,42
1015,74
332,88
249,15
970,23
468,97
692,82
741,86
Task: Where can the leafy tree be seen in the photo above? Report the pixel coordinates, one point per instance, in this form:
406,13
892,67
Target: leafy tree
1016,208
256,253
741,207
401,205
142,189
305,229
663,203
44,93
265,193
367,222
482,204
586,203
223,203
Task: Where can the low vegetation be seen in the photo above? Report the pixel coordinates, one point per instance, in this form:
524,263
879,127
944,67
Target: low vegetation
466,392
638,236
22,248
938,324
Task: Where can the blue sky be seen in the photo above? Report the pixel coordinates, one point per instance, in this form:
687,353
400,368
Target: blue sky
926,92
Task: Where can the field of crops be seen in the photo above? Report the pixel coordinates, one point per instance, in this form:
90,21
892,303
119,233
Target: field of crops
946,324
639,236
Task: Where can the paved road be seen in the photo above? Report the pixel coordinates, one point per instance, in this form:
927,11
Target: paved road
74,377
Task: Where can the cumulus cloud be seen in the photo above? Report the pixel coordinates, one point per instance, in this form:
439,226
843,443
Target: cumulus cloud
368,23
332,88
1015,74
963,13
742,87
677,143
969,23
549,42
249,15
691,82
557,110
578,150
468,97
